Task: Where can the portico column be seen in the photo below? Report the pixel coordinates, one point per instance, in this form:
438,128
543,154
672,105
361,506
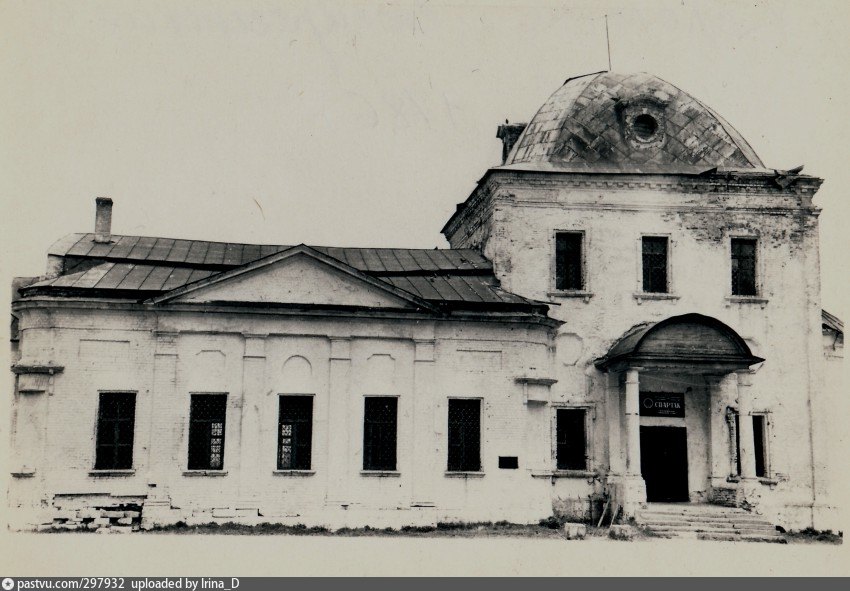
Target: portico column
633,422
631,493
745,426
718,433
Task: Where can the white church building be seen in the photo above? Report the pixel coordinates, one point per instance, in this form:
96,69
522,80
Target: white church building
629,313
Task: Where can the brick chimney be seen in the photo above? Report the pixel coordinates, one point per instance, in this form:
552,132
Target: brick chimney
103,220
509,134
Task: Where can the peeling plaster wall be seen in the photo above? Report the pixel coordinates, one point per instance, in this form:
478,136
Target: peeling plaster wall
699,218
254,358
830,439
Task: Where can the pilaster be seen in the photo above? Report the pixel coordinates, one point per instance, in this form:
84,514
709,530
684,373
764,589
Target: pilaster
340,422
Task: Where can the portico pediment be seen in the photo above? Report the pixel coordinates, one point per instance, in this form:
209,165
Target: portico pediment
691,342
297,276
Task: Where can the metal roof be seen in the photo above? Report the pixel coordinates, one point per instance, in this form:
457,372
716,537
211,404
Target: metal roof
221,255
127,277
146,278
134,266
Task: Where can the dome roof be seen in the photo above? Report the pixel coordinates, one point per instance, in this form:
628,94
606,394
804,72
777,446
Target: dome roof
628,122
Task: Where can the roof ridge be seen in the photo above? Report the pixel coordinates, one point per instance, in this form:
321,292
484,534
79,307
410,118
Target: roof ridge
118,236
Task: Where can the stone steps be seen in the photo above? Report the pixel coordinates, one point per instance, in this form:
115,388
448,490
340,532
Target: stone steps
711,527
775,538
707,522
661,521
714,514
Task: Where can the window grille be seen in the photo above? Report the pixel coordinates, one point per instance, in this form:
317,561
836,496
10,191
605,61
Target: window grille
743,266
571,439
654,264
295,432
464,435
116,417
568,271
379,433
206,431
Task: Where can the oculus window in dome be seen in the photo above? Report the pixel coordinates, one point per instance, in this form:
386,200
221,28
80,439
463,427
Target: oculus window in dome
628,122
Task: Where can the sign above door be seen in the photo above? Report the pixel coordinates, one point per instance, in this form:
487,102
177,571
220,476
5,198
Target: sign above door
662,404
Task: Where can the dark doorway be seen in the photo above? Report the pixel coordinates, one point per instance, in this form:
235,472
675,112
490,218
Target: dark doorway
664,463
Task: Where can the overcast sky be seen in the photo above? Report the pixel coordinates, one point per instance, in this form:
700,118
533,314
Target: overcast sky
364,123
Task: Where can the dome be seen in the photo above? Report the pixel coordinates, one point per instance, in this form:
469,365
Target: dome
630,123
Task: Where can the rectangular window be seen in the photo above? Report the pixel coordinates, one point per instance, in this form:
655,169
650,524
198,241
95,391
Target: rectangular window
206,431
743,266
759,447
568,261
294,432
759,444
379,433
571,440
116,419
464,435
654,251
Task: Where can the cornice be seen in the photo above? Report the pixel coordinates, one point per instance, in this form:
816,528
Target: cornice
305,311
497,181
717,182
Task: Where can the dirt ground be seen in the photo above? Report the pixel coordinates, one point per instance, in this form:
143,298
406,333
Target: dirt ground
546,529
543,530
441,530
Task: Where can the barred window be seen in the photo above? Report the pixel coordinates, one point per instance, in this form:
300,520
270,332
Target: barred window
743,266
654,249
379,433
568,257
464,435
571,439
116,418
206,431
295,432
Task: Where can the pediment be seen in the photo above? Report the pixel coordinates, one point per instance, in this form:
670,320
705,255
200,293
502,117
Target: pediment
690,340
300,276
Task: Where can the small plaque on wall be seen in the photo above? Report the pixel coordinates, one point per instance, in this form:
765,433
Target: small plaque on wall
662,404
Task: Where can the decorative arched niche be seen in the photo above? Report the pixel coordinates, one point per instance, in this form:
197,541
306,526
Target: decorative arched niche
296,376
379,375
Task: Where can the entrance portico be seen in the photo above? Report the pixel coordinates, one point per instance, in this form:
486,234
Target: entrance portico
702,367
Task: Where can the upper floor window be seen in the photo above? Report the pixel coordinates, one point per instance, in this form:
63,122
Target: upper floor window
571,439
379,433
654,254
206,431
295,433
116,417
568,260
743,266
464,435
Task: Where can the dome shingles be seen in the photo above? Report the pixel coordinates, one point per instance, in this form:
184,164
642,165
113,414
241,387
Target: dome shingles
628,122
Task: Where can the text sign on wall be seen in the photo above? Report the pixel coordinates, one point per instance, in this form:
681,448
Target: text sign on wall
662,404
